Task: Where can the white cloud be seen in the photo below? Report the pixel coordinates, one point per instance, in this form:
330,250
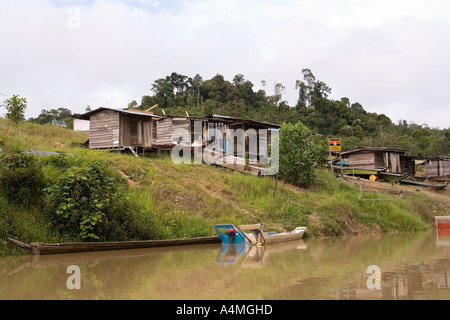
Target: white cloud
389,56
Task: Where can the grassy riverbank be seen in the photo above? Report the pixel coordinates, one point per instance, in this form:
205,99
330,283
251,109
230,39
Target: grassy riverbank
161,200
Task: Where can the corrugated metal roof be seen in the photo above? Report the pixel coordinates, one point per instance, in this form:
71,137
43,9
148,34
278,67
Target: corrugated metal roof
375,149
218,116
87,115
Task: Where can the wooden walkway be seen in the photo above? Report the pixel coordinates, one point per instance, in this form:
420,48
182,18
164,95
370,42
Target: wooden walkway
231,162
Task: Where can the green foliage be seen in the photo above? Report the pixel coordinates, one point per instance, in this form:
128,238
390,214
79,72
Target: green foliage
60,160
83,197
46,116
21,177
15,107
176,94
299,154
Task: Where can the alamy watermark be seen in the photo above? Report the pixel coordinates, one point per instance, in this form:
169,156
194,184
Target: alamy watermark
374,280
74,280
74,20
228,147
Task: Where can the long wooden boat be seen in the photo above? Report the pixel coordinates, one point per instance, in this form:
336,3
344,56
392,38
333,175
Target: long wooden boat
381,174
423,184
41,248
355,171
388,176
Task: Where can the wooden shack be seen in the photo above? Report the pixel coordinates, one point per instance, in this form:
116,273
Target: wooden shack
115,129
438,167
379,159
263,132
174,130
193,131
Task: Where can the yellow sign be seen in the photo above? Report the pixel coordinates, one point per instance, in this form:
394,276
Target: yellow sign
335,144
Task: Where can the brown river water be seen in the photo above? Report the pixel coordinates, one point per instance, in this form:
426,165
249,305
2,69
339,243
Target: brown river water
381,267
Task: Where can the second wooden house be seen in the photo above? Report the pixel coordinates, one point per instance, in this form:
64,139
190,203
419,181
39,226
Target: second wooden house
437,168
194,131
384,163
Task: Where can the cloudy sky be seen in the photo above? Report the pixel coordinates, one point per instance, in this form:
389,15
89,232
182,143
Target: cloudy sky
393,56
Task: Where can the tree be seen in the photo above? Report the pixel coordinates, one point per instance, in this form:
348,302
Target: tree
304,98
299,154
132,105
164,92
305,87
321,90
46,116
197,83
279,89
15,107
309,77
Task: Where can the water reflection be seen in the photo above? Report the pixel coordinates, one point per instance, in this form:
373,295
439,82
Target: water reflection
253,255
443,237
230,253
413,266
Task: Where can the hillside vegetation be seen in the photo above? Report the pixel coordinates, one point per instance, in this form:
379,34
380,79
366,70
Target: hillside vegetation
151,198
177,94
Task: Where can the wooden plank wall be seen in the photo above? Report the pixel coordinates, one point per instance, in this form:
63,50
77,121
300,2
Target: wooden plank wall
263,146
134,131
140,132
379,161
395,165
164,131
181,131
125,131
173,129
104,130
376,161
228,161
147,133
361,161
435,168
408,164
154,131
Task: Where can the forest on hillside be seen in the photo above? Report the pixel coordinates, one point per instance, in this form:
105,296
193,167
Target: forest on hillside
177,94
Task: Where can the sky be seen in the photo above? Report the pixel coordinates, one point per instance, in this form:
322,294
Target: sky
392,57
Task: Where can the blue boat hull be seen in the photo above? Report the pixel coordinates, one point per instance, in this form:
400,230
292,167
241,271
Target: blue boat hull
229,234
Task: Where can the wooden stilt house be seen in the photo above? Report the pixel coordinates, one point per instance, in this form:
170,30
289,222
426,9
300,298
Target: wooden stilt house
115,129
438,167
377,158
194,131
224,141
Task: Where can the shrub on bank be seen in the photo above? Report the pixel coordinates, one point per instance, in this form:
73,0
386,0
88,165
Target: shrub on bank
21,177
89,202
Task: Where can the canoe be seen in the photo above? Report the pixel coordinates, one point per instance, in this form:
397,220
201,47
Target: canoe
395,177
254,234
41,248
422,184
355,171
259,236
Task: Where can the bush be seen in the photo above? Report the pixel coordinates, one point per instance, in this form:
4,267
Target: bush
21,177
299,154
87,202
